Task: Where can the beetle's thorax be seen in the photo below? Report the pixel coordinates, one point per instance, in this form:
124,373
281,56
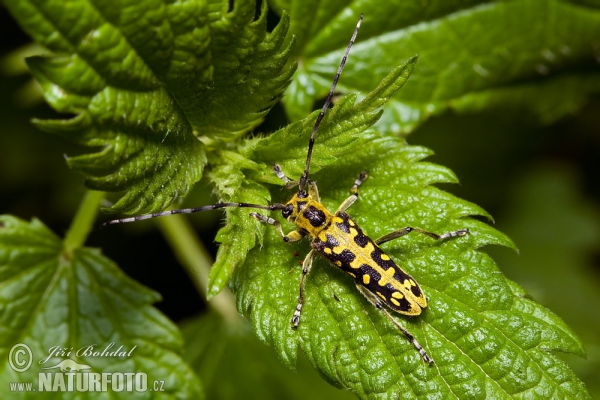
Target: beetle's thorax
307,213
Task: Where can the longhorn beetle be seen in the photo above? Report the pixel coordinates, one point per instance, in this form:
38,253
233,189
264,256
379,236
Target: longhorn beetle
338,238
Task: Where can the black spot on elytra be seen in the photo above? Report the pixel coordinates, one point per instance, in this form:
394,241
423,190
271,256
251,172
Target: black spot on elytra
331,241
375,276
343,226
376,256
360,239
404,304
416,291
346,257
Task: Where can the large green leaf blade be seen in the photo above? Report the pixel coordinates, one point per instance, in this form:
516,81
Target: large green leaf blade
51,297
478,327
250,73
486,337
148,148
464,49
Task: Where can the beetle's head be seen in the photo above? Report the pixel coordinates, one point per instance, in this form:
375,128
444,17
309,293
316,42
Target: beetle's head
295,205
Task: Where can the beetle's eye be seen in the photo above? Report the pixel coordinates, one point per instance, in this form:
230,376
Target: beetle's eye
287,211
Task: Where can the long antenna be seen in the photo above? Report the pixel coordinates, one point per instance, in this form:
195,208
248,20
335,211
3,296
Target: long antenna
311,143
275,206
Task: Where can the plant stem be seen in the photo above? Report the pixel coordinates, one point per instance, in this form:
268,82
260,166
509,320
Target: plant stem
192,254
83,221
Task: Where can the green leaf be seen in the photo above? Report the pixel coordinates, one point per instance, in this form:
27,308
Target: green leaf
236,237
249,74
469,49
486,337
145,78
338,132
562,95
75,299
479,327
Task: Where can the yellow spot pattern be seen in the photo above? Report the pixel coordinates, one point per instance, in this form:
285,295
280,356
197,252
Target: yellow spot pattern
363,259
358,261
387,277
397,295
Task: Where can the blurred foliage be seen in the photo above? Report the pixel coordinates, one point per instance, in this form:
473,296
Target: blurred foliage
540,183
558,231
535,57
232,362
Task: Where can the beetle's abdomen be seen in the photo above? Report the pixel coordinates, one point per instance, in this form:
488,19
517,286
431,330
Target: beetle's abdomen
346,245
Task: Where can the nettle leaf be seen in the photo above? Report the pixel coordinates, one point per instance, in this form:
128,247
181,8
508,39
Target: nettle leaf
562,95
338,131
473,55
249,74
488,339
237,237
145,78
52,297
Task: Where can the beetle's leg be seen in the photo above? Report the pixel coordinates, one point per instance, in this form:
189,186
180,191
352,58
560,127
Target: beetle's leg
293,236
405,231
353,192
306,266
373,299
